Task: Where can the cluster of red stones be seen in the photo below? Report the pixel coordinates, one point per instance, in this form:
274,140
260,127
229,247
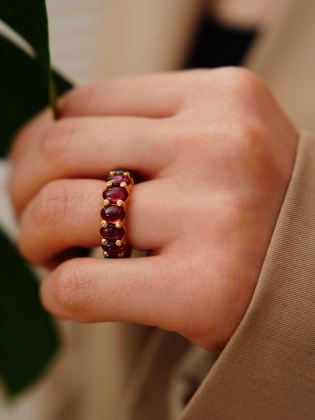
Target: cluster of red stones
116,195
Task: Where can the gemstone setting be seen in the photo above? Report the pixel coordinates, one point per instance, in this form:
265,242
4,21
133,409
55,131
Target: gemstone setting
118,185
111,233
117,179
115,194
112,248
113,214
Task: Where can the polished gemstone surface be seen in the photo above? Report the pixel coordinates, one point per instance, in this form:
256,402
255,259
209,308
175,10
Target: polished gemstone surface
111,233
114,194
112,248
117,179
113,214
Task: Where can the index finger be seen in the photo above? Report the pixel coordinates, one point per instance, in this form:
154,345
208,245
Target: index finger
154,96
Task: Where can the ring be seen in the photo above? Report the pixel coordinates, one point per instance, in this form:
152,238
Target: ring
116,195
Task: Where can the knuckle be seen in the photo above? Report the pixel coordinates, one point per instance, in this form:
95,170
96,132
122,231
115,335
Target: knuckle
53,205
243,81
24,250
248,140
55,142
25,246
78,99
231,78
73,291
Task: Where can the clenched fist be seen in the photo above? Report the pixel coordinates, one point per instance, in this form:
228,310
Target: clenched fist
215,154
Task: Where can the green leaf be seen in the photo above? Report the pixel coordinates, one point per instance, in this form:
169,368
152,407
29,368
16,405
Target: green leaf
28,337
23,89
29,19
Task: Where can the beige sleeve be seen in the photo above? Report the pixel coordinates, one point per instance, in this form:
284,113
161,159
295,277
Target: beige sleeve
267,370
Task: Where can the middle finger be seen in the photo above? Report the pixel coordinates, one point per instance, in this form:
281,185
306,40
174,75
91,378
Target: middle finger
89,148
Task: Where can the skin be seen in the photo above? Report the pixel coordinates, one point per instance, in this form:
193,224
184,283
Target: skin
215,154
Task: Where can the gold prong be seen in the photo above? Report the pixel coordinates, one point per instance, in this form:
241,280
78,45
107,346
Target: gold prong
105,253
120,255
118,243
104,241
112,173
123,184
109,183
106,202
127,174
118,225
120,203
104,223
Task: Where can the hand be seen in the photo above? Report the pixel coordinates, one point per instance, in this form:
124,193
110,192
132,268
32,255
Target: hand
216,155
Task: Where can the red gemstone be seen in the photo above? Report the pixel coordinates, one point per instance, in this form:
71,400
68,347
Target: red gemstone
122,171
111,233
113,214
117,179
112,248
115,194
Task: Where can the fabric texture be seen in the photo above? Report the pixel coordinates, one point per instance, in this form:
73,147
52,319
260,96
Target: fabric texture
267,370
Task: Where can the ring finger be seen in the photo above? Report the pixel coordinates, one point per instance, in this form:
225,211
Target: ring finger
66,214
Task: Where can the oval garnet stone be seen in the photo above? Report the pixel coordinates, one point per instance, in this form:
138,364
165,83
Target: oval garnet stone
113,214
112,248
111,233
115,194
122,171
117,179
